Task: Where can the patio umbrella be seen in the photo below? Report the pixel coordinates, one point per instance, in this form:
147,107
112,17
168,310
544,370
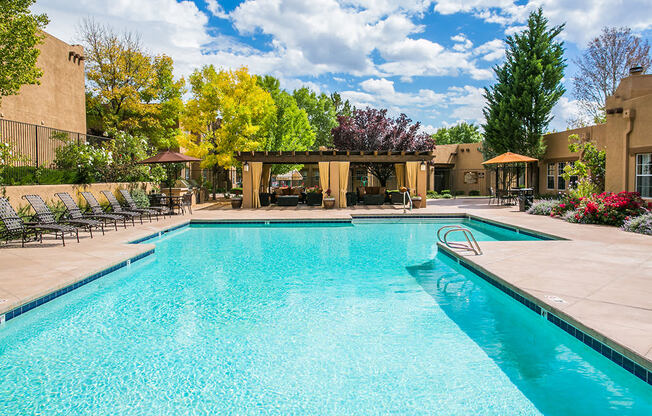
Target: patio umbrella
508,158
290,176
169,157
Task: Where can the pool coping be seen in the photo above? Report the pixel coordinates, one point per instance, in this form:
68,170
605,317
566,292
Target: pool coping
612,350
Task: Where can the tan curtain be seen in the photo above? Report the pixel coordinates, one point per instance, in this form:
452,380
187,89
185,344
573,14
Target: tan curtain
324,176
267,169
400,174
411,171
256,169
344,183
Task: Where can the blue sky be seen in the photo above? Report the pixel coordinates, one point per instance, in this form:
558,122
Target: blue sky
428,59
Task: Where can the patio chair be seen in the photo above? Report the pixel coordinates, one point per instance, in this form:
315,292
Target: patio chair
14,226
45,216
134,207
74,212
186,202
493,196
96,208
116,208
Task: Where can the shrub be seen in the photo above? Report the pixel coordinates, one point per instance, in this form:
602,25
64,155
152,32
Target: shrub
446,191
474,193
317,190
446,196
236,191
606,208
432,195
641,224
543,207
140,197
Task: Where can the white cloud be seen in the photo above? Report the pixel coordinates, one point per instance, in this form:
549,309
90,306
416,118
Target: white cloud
491,51
462,42
216,9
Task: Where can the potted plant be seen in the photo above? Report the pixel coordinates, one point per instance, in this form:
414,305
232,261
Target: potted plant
236,198
265,198
314,196
416,201
329,201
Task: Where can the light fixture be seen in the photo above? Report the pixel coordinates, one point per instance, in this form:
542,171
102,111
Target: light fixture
423,166
245,167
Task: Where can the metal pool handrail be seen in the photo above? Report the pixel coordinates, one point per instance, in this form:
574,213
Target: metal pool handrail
470,245
409,198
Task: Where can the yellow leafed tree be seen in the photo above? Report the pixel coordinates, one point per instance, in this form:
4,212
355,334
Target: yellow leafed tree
228,112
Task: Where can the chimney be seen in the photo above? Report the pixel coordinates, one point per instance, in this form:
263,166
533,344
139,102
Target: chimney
636,70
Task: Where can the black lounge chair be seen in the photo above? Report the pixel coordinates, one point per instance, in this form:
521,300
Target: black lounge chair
74,212
45,216
14,226
132,206
96,208
116,208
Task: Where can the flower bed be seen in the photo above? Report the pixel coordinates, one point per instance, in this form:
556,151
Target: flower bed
606,208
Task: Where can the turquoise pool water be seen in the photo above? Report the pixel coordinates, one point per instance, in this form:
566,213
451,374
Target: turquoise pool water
347,320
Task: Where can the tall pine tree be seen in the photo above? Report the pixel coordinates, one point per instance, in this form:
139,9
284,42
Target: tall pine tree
528,86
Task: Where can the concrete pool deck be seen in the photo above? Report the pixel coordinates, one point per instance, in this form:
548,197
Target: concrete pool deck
602,275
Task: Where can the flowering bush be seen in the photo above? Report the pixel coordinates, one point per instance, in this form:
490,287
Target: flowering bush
606,208
313,190
543,207
641,224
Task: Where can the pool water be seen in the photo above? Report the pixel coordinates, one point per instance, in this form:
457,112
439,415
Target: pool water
332,319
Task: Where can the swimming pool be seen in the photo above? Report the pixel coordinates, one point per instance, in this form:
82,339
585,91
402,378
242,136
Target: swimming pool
363,318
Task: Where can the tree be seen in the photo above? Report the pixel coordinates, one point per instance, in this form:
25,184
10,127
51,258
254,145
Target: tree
528,85
228,112
605,61
589,169
128,89
342,107
20,33
321,114
460,133
371,129
290,129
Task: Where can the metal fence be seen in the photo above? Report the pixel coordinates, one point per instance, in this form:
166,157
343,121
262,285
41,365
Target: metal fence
37,145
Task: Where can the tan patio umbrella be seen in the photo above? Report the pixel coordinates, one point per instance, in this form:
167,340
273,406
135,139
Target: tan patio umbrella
169,157
290,176
508,158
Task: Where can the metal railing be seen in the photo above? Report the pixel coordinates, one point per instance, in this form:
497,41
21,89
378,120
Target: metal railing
406,198
470,245
37,145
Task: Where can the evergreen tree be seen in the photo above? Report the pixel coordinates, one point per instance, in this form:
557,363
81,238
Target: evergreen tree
460,133
528,86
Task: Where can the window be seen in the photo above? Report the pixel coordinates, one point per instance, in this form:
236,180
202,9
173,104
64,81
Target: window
644,174
561,182
551,176
573,179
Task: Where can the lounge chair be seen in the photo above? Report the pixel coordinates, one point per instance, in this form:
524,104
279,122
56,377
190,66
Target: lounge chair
116,208
96,208
45,216
134,207
74,212
14,226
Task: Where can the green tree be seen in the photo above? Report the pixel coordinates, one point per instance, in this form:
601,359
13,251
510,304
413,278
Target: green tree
589,169
460,133
20,33
321,114
528,86
342,107
128,89
228,112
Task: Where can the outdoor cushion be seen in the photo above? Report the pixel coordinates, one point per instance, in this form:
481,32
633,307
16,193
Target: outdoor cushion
287,200
374,199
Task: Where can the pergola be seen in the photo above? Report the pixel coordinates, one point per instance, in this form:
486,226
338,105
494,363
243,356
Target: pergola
334,168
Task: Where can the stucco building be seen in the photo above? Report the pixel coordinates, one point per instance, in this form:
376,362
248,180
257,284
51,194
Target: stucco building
59,101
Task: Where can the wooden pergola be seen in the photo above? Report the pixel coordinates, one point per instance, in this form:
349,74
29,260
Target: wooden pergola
333,169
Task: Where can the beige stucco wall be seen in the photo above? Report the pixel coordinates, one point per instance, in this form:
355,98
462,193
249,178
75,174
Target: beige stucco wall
47,192
59,102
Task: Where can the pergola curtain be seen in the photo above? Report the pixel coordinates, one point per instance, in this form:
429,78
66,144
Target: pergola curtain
344,183
411,171
267,169
256,169
400,174
324,176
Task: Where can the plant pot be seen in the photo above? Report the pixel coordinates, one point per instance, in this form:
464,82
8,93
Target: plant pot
265,199
313,199
416,202
236,203
329,203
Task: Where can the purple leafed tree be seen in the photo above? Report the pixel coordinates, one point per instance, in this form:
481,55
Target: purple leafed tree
371,129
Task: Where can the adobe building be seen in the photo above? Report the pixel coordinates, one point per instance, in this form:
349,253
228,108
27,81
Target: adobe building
59,101
626,137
